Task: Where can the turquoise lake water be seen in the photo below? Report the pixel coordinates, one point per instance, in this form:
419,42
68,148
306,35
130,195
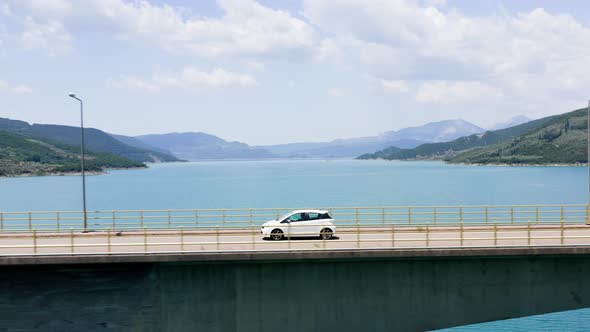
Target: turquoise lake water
298,183
315,183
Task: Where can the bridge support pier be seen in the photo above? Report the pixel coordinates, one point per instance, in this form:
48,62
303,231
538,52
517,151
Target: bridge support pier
385,292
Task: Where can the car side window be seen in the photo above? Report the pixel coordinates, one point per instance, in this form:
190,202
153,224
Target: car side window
313,216
296,217
325,216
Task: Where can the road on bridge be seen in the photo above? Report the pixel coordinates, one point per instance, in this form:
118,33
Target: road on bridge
227,240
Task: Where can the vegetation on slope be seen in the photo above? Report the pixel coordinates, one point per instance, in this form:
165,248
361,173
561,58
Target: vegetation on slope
561,140
95,140
453,151
21,155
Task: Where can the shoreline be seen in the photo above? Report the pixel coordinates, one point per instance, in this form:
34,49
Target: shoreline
519,165
489,164
104,171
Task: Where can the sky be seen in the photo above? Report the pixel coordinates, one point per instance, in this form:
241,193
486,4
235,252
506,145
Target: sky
269,72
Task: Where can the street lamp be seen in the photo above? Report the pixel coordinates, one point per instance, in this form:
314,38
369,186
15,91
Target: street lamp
73,95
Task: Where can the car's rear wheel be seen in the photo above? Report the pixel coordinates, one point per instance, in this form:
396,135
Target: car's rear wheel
276,234
326,234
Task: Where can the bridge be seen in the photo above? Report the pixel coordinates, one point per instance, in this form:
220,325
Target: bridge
390,268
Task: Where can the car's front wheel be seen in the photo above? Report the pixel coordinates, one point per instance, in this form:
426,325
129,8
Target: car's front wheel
276,234
326,234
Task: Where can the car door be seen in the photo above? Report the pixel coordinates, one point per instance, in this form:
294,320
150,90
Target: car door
296,225
314,224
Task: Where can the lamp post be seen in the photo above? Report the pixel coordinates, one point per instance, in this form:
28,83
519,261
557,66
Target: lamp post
588,164
73,95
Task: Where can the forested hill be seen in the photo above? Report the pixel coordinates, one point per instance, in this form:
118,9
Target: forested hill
449,150
23,155
95,140
561,140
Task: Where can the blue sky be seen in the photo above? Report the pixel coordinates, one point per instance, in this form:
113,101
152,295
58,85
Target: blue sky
293,70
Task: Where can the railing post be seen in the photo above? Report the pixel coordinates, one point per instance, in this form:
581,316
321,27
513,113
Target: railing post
196,217
357,215
487,215
289,226
409,216
145,242
495,235
253,237
529,233
461,215
223,212
114,221
392,235
358,230
512,215
562,230
71,240
252,228
382,216
35,241
1,221
57,220
30,221
435,215
141,219
217,236
587,214
537,215
562,215
109,240
181,238
169,219
427,236
461,234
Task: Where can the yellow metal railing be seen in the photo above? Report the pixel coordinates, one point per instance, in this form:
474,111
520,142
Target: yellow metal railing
57,221
238,239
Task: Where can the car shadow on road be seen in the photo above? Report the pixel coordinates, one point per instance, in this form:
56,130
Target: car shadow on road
306,238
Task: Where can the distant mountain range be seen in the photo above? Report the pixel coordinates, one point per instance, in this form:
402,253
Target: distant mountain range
22,155
560,139
200,146
433,140
95,140
515,121
553,139
203,146
405,138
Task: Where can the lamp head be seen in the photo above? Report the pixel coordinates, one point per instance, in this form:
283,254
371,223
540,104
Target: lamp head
73,95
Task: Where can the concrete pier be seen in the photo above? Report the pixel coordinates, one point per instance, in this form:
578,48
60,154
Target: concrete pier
339,290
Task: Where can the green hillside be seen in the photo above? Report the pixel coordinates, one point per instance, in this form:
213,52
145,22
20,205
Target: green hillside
561,140
95,140
22,155
450,149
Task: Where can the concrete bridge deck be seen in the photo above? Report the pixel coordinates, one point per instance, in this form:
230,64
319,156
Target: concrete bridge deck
370,278
251,241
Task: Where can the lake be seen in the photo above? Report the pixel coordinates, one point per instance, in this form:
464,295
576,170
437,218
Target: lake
298,183
314,183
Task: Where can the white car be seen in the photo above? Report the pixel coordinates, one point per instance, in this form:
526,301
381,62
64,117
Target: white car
300,223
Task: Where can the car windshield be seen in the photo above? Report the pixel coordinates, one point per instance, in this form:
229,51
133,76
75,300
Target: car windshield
284,216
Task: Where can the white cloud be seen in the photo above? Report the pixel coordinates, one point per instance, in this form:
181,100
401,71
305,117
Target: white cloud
188,78
394,85
335,92
5,87
246,27
22,89
50,36
452,92
518,56
132,83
